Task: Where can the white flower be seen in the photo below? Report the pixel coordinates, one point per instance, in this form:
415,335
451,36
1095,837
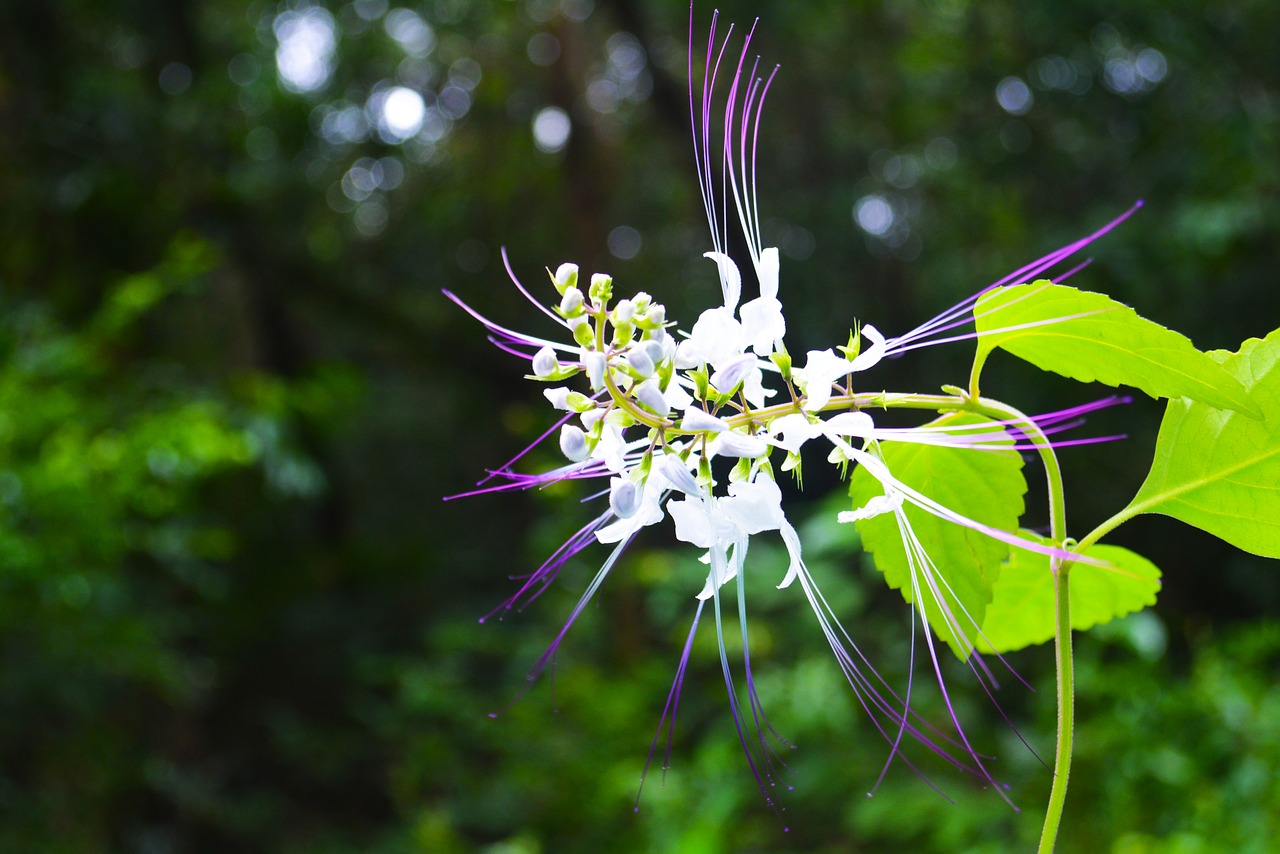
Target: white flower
715,338
824,368
723,526
790,432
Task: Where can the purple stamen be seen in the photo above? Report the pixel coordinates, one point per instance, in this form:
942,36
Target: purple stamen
540,579
1029,271
547,657
506,262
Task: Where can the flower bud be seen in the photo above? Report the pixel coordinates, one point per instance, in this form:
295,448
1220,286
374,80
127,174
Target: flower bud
728,378
655,351
678,474
566,277
545,362
624,311
579,402
601,288
583,333
593,361
624,498
623,334
571,302
699,420
640,361
651,396
653,318
573,442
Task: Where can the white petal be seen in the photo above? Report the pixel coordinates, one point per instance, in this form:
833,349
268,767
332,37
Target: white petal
822,368
754,507
735,444
676,396
730,278
648,513
693,522
763,324
754,391
726,379
611,449
722,570
873,354
794,429
715,338
767,273
792,541
877,506
557,396
850,424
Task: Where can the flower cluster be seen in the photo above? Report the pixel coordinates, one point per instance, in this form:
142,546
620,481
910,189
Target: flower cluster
690,424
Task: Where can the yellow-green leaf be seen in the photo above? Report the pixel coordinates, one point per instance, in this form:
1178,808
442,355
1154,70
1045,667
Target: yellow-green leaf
1092,338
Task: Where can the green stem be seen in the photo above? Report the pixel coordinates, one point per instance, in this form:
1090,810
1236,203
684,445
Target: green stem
1107,527
1066,707
1062,621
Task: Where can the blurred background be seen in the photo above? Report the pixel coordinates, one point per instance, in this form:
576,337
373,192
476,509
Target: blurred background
235,614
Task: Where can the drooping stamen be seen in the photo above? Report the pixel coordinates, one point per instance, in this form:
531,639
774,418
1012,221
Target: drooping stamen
546,658
669,709
536,583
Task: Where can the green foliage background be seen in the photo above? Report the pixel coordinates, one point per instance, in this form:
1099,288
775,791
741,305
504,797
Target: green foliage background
234,613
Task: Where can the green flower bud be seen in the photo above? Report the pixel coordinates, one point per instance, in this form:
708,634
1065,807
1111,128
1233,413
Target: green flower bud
565,276
583,333
601,288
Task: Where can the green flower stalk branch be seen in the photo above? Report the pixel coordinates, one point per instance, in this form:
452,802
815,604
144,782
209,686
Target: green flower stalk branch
701,423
